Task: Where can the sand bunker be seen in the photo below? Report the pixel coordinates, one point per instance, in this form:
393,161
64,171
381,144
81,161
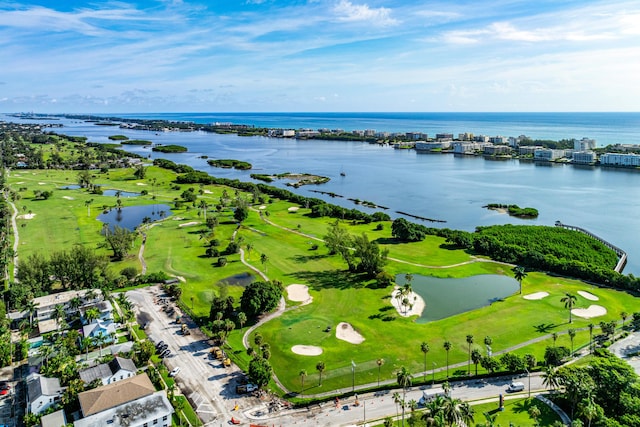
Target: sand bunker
588,313
299,293
27,216
307,350
140,183
262,207
416,303
345,332
67,197
536,295
187,224
293,209
587,295
206,191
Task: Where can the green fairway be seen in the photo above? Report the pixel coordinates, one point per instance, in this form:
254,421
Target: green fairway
296,255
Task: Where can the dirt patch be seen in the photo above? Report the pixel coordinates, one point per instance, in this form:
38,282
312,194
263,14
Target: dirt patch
307,350
590,312
588,295
345,332
299,293
536,295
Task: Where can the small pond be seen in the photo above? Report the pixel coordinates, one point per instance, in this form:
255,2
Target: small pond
240,279
71,187
130,217
122,193
447,297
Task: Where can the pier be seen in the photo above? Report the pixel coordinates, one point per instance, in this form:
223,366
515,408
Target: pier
622,255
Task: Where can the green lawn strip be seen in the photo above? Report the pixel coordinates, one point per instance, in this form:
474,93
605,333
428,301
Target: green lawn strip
516,412
187,413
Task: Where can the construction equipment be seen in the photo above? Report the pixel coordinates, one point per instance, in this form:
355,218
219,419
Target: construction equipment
226,362
185,330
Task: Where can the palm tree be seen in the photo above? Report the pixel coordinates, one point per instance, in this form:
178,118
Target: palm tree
572,335
45,352
519,274
487,343
469,342
75,303
397,399
249,247
87,203
203,205
31,309
320,366
623,316
424,348
263,259
303,374
179,405
591,326
569,301
380,362
534,412
588,409
554,336
85,343
476,357
447,347
242,319
92,314
404,378
550,378
58,313
99,340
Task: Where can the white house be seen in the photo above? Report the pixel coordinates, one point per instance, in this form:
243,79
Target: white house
42,392
133,402
117,370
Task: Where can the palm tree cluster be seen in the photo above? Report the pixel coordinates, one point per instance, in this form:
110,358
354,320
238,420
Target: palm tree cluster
403,294
443,411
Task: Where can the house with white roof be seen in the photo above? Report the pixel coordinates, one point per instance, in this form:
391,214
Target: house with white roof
116,370
42,392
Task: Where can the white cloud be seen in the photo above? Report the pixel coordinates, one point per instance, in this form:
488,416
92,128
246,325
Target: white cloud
346,11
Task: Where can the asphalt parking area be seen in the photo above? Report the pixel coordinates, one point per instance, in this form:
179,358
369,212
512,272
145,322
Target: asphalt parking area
204,380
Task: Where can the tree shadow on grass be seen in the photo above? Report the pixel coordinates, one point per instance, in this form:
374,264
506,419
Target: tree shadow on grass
303,259
544,328
318,280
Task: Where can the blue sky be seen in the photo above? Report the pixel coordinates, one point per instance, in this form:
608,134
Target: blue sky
319,55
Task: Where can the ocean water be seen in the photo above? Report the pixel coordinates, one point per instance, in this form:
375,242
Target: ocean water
449,188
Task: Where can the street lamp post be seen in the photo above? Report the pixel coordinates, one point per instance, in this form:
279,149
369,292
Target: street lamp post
353,376
529,377
433,374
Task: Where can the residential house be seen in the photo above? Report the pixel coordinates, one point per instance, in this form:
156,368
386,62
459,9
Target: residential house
54,419
117,370
42,392
132,402
105,327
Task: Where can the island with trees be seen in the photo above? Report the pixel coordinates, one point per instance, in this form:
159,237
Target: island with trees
229,163
513,210
171,148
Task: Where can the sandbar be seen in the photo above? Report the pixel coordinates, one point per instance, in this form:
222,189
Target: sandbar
416,303
536,295
299,293
307,350
345,332
591,311
588,295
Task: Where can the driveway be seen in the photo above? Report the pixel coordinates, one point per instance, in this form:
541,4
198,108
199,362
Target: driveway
209,386
628,349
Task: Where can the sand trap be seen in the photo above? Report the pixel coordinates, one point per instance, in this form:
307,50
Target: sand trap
416,302
536,295
67,197
263,207
187,224
587,295
293,208
299,293
27,216
140,183
345,332
21,182
588,313
307,350
42,183
206,191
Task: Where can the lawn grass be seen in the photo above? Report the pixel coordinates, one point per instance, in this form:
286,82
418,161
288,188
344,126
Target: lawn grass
337,295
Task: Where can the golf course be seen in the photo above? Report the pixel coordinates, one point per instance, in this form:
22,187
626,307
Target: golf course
348,328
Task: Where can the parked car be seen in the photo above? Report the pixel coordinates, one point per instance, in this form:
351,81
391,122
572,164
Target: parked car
161,343
175,371
165,353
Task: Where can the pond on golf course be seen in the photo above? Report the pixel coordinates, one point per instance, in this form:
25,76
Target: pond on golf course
130,217
447,297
